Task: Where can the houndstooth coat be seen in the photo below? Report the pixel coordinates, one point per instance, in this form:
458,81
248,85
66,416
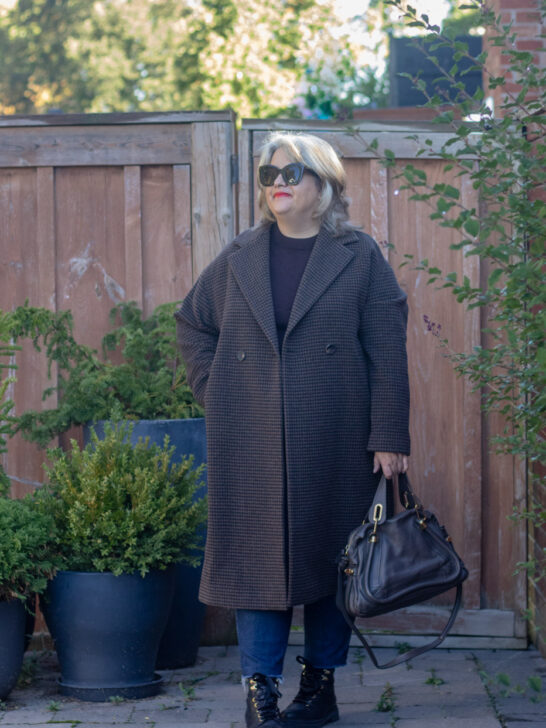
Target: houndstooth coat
291,437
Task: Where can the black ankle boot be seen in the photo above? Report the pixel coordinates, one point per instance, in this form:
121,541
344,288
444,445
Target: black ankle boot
261,702
315,703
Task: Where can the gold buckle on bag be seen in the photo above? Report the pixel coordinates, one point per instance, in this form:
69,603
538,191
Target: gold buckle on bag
377,513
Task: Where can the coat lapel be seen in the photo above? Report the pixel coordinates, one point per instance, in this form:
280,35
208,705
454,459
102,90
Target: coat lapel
328,258
250,266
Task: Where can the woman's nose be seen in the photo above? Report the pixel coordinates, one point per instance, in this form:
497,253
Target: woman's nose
279,180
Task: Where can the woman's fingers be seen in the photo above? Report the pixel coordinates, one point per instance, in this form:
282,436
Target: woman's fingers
391,463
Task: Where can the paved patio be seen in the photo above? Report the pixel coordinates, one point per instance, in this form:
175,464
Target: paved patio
443,689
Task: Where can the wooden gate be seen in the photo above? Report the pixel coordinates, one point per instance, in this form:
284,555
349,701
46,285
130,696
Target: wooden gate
103,208
455,474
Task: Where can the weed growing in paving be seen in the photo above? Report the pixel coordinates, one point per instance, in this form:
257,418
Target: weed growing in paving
532,690
359,657
434,679
386,702
54,706
117,699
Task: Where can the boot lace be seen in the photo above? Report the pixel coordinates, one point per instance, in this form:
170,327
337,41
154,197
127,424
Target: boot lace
310,682
263,695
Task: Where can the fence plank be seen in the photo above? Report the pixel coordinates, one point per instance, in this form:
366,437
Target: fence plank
133,234
182,229
116,118
213,221
94,146
245,188
472,429
379,205
404,143
90,230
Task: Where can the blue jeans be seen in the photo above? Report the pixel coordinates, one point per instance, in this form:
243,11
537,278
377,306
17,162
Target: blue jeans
263,637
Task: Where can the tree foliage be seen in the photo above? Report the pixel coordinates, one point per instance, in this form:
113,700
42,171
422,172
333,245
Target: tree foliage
126,55
503,159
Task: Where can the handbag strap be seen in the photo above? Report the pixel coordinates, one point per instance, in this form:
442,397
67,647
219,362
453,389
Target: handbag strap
406,655
407,497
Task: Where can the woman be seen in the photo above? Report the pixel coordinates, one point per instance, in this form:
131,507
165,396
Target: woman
294,341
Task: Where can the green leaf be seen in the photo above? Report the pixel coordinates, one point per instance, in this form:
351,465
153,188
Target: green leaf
472,226
494,277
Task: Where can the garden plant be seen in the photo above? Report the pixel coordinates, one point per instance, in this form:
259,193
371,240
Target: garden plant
139,376
502,155
120,507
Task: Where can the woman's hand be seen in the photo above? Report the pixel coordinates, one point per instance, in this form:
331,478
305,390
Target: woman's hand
391,463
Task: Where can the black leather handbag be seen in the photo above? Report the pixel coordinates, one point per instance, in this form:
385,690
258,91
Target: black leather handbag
390,563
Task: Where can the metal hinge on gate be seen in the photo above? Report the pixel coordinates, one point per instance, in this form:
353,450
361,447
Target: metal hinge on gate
234,169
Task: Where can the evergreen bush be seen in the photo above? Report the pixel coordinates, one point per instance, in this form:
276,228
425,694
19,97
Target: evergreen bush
26,562
120,507
140,374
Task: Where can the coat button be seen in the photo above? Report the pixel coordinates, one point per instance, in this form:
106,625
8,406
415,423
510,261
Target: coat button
241,355
330,348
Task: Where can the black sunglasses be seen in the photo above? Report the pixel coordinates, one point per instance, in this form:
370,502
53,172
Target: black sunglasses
292,174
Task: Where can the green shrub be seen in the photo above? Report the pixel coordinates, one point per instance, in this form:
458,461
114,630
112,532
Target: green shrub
25,560
140,374
120,507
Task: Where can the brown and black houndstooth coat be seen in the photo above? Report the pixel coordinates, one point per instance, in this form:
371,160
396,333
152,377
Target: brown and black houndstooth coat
291,438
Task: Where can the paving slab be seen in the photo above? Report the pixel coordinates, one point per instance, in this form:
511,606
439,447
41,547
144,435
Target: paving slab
444,689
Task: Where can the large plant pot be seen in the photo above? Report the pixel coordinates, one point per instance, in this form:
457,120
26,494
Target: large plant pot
12,644
107,631
180,642
30,620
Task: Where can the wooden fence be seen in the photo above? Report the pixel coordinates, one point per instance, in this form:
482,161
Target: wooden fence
103,208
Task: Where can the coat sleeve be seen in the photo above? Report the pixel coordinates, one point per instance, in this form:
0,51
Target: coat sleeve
197,334
383,338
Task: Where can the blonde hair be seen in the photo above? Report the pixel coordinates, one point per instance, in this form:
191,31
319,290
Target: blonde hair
321,158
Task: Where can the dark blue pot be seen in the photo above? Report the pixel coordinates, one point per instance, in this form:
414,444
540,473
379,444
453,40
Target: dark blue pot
12,644
181,639
107,631
30,620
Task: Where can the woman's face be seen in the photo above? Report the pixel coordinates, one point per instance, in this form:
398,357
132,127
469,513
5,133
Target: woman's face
293,204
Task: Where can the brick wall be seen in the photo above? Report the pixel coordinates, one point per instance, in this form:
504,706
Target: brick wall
527,24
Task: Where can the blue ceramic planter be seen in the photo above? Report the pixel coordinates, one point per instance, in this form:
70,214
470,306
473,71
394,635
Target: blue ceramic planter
180,642
107,631
12,644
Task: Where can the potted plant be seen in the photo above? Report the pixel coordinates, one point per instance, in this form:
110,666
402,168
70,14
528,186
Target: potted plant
25,566
123,515
141,378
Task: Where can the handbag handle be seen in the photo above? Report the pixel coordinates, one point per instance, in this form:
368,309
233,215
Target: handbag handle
407,497
416,651
408,500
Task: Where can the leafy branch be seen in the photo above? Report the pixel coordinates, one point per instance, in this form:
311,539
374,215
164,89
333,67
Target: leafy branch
149,382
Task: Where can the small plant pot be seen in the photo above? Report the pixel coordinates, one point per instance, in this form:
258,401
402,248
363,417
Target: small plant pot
107,631
12,644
